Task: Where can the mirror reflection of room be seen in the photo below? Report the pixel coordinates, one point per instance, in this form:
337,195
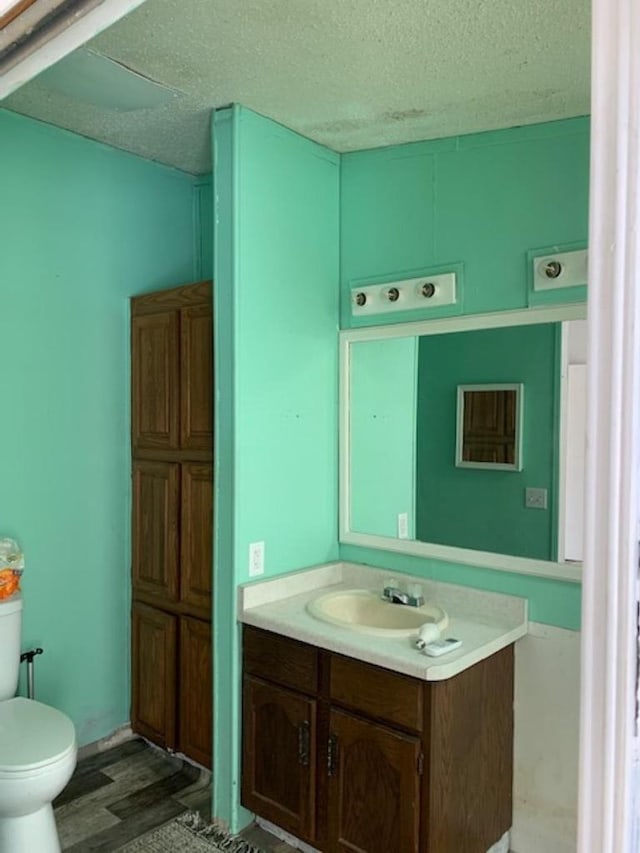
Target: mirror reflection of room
405,480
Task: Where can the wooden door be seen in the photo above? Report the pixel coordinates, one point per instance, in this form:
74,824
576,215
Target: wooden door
155,390
196,690
196,545
279,757
196,377
374,787
153,674
156,490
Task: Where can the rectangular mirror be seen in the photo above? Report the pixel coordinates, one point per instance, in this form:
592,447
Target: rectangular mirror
459,439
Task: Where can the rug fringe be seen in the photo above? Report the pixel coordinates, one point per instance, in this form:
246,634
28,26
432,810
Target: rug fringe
215,832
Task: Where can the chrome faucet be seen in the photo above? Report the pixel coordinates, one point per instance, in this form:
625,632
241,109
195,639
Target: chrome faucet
394,595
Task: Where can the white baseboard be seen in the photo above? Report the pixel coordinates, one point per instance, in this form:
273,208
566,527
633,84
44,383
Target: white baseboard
291,840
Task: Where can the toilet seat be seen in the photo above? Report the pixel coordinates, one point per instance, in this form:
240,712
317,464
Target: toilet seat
32,736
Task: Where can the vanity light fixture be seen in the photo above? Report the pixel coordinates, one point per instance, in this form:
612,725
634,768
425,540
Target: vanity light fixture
409,294
564,269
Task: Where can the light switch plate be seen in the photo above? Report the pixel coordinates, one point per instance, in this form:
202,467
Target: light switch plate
535,498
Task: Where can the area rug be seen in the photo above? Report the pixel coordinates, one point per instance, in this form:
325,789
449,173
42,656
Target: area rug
189,834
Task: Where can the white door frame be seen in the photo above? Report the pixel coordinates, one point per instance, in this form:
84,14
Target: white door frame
608,801
76,34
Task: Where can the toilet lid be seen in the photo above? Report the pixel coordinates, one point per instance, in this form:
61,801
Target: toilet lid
32,735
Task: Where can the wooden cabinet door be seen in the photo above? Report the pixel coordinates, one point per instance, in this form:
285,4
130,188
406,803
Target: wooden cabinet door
196,377
279,757
374,787
196,546
156,489
155,390
196,690
153,674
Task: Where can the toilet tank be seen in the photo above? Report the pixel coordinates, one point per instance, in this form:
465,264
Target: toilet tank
10,635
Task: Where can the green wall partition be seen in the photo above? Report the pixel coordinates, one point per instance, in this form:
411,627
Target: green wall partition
83,228
276,321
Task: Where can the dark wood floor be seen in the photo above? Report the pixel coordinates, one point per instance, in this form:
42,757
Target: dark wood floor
118,795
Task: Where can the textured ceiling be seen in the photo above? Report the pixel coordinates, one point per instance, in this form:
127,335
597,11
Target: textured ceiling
357,74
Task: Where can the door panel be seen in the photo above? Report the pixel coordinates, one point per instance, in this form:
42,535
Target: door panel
374,787
196,378
153,674
196,558
155,394
279,755
196,690
155,528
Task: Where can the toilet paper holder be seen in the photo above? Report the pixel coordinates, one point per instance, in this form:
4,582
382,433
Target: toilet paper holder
28,657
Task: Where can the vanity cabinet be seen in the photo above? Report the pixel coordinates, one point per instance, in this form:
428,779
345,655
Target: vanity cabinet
279,766
349,756
172,517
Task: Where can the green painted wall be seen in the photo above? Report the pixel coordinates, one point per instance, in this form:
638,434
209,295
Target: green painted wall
483,509
276,320
483,201
203,227
83,227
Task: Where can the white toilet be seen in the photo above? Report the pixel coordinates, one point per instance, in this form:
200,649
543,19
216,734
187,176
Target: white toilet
37,752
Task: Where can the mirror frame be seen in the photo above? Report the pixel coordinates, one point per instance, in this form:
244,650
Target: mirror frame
566,571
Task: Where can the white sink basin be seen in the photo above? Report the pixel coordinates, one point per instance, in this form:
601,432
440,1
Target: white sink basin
364,611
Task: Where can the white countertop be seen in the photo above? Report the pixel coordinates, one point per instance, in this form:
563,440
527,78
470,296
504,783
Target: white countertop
485,621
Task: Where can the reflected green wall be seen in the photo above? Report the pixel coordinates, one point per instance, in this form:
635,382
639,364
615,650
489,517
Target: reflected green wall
477,508
276,322
83,227
382,425
483,201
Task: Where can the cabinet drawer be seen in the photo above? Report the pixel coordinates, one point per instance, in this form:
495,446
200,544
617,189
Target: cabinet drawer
280,659
377,692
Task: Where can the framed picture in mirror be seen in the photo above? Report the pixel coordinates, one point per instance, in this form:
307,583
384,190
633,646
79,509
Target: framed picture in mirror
489,426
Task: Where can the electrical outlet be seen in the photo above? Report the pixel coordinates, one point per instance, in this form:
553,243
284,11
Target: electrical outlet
403,525
256,559
535,498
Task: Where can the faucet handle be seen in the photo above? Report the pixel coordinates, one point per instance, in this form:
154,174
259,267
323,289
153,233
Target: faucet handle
415,590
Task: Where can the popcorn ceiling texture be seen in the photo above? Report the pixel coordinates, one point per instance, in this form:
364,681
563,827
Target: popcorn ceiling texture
361,74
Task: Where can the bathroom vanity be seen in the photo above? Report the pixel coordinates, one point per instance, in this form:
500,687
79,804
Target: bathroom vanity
354,741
